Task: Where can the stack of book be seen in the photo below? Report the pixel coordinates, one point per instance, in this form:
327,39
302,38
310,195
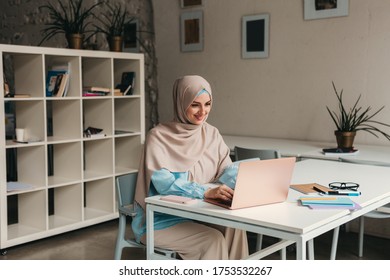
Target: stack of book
328,202
95,91
57,81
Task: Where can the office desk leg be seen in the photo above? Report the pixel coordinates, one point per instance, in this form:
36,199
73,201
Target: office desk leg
334,243
301,250
149,233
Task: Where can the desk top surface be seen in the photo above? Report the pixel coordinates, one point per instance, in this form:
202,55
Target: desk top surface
309,149
289,216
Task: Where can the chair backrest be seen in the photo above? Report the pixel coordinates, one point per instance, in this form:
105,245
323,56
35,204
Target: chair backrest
125,187
366,162
242,153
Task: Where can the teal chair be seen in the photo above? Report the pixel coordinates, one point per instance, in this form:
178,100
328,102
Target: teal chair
125,188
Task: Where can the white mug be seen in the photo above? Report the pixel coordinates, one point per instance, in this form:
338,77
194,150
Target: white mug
19,134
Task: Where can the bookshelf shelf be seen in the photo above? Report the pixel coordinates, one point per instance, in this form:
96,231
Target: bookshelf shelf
72,178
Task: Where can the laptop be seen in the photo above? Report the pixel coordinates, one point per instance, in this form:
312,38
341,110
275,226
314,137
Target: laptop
260,182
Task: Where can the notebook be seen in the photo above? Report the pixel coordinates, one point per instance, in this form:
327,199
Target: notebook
260,182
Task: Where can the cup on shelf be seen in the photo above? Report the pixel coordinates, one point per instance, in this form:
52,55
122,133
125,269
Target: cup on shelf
20,134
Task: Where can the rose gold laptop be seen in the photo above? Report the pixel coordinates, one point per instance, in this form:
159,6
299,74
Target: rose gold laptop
260,182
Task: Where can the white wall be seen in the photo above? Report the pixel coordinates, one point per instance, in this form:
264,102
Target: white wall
286,94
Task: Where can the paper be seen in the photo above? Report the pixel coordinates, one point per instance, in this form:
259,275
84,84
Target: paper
17,186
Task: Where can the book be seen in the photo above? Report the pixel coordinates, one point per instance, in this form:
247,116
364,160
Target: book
309,188
127,83
60,92
53,81
326,200
96,89
18,186
340,151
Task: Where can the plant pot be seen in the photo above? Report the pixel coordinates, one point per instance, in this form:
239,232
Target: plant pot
75,41
345,139
115,43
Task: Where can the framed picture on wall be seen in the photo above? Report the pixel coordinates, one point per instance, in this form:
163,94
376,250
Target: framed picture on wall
255,36
190,3
130,41
191,31
317,9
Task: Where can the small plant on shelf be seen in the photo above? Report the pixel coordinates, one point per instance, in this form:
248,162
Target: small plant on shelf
356,118
72,20
113,23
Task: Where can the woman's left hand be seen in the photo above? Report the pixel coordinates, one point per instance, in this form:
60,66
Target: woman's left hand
222,192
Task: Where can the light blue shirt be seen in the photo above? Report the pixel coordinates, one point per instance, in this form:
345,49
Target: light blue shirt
164,182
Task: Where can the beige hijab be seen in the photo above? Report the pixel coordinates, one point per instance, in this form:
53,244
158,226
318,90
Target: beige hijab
180,146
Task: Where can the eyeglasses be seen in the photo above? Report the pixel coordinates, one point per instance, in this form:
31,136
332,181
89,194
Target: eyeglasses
344,186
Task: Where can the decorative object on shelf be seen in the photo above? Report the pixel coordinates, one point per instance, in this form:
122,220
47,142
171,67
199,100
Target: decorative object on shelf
112,25
126,87
255,36
348,122
317,9
191,31
71,20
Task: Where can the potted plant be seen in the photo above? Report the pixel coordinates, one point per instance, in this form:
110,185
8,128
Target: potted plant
70,19
112,25
348,122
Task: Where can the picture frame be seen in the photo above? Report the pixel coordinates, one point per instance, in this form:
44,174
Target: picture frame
191,31
319,9
255,36
190,3
130,40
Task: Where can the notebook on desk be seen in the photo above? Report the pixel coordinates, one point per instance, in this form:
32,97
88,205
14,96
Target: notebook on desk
260,182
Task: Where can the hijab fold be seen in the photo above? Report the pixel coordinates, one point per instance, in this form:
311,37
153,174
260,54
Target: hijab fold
180,146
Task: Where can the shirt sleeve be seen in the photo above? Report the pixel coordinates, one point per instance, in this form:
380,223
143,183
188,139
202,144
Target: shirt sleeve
176,183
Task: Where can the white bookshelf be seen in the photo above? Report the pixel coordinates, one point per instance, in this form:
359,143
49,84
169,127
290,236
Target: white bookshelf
79,189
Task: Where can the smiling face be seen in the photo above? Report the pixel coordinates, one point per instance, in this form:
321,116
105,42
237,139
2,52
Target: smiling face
199,109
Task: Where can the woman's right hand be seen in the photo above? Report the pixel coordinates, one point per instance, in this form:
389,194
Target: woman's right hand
222,192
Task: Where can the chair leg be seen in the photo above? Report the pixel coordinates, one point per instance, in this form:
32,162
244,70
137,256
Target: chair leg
120,237
259,242
361,236
335,240
283,254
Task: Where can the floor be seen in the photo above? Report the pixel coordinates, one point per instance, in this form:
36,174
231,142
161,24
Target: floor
97,243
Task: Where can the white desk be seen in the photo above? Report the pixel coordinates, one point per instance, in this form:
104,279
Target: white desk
367,154
309,149
286,147
288,221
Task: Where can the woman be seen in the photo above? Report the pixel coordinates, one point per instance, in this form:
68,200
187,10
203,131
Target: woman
182,157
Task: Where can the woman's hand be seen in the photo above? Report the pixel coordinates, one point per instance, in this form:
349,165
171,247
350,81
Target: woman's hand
222,192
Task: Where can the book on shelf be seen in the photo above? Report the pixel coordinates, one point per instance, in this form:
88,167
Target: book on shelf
17,186
127,83
340,151
117,92
57,81
95,91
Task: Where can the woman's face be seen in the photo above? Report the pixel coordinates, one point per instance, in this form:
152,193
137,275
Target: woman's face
199,109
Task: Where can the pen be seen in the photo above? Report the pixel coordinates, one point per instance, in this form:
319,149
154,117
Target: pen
319,190
341,193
